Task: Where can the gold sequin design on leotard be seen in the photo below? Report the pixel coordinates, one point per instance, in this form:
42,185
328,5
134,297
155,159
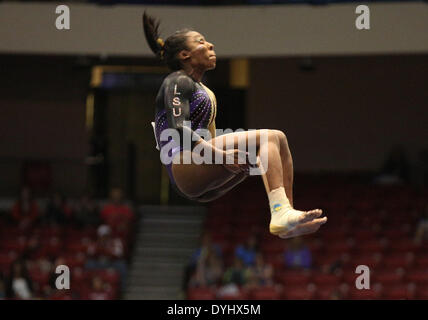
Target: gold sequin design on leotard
211,124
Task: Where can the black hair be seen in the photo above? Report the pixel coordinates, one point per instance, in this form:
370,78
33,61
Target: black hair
166,51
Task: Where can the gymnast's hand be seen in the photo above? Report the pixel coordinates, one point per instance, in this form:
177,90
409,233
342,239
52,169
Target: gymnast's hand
236,161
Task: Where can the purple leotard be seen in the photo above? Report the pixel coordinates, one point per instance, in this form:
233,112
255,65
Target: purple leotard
180,99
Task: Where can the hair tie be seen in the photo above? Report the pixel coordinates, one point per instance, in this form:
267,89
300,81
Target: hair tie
162,44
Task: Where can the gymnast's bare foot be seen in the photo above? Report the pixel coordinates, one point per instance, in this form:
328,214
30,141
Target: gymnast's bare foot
305,228
285,219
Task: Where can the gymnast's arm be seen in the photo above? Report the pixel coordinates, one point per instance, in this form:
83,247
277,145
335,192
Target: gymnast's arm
177,95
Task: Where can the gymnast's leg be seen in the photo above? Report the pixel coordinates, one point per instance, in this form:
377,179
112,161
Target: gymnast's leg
278,179
213,180
223,189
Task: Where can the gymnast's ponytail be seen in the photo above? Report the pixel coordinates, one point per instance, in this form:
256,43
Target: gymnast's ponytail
166,51
151,32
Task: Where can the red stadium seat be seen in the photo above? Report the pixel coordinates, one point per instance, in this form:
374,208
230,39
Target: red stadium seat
372,260
326,292
336,235
265,293
394,233
327,259
397,260
325,279
240,236
74,247
423,248
200,294
315,245
388,276
17,245
398,292
241,295
276,260
75,260
294,277
39,277
363,235
421,261
337,248
417,276
52,246
369,246
97,295
12,232
273,247
61,295
50,231
422,293
349,276
298,293
78,278
110,276
403,245
364,294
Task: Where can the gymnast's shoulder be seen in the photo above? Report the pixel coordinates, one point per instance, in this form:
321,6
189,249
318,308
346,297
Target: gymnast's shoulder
179,80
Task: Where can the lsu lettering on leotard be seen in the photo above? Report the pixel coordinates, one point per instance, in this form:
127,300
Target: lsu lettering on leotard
180,99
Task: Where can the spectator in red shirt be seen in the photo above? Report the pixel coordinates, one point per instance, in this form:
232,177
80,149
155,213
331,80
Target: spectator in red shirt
25,210
117,214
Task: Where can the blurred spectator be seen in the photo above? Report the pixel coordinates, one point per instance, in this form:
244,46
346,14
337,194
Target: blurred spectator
86,212
236,274
39,272
58,212
32,247
209,271
235,278
247,252
2,288
422,228
19,285
261,274
107,252
336,295
25,211
116,213
98,291
207,246
298,255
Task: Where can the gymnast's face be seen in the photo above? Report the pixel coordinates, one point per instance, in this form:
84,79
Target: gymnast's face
201,52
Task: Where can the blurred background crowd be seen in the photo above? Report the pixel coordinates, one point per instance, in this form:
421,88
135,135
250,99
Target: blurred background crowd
383,227
91,238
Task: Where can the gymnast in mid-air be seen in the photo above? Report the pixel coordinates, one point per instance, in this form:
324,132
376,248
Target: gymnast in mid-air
183,98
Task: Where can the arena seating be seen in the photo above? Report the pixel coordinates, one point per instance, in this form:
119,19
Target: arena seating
368,224
44,242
